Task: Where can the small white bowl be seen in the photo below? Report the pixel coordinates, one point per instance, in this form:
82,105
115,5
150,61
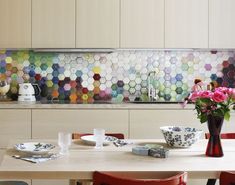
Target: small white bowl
179,136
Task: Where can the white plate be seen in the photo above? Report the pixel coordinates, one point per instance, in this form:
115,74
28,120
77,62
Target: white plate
34,147
90,139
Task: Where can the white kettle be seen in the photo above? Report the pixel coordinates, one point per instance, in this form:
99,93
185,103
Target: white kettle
28,91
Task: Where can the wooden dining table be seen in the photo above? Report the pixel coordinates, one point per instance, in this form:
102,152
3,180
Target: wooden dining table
83,160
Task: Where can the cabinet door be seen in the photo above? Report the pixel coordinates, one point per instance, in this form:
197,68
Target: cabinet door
142,24
53,23
186,24
47,123
14,124
145,124
221,24
97,24
15,18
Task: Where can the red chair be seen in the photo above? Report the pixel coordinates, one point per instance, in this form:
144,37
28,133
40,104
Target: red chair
223,135
227,178
117,135
100,178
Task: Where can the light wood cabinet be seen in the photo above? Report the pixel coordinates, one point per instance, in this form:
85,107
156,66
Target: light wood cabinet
186,23
142,24
14,124
97,24
53,23
221,24
145,124
81,121
15,18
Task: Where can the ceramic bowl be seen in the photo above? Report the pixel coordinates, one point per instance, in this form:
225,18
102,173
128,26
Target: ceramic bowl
179,136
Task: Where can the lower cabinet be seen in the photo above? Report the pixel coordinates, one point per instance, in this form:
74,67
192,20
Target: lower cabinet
14,124
145,124
47,123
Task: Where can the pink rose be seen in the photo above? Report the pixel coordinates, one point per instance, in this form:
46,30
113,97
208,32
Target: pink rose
231,93
222,89
206,94
219,96
194,96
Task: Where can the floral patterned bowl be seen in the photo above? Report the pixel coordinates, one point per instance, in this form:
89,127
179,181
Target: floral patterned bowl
178,136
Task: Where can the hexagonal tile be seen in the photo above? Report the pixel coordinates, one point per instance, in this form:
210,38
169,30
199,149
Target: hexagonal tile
208,67
67,87
55,80
44,66
96,77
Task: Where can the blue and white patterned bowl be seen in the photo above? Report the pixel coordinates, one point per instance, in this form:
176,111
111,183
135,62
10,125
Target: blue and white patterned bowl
182,137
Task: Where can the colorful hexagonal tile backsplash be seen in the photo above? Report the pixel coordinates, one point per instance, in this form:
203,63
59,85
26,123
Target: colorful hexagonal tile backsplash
118,76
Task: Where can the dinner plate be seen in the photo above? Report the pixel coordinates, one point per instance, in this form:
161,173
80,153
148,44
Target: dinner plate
34,147
90,139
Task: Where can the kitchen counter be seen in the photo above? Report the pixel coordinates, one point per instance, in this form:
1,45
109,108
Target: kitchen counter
39,105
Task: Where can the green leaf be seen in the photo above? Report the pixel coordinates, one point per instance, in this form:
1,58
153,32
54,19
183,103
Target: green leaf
227,116
203,118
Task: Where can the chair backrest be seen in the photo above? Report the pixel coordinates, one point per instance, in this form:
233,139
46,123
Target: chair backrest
223,135
117,135
227,178
100,178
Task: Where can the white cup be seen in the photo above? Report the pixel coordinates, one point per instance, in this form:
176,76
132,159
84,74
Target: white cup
64,141
99,135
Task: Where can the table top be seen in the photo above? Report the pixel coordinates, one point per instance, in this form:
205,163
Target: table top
83,160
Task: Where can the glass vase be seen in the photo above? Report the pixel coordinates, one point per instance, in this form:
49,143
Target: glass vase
214,147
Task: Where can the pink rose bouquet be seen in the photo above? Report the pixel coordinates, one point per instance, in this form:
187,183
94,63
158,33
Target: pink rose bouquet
216,102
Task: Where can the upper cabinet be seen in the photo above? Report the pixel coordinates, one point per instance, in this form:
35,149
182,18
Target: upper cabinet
186,23
221,24
97,24
142,24
15,18
117,24
53,23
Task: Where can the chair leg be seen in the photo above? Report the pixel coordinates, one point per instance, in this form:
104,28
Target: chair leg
211,182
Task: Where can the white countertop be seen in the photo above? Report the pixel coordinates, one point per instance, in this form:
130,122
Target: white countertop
38,105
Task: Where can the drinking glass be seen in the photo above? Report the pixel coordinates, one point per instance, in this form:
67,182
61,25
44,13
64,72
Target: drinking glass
64,141
99,135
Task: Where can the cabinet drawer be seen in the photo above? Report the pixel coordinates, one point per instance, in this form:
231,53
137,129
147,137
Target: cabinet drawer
47,123
14,124
145,124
